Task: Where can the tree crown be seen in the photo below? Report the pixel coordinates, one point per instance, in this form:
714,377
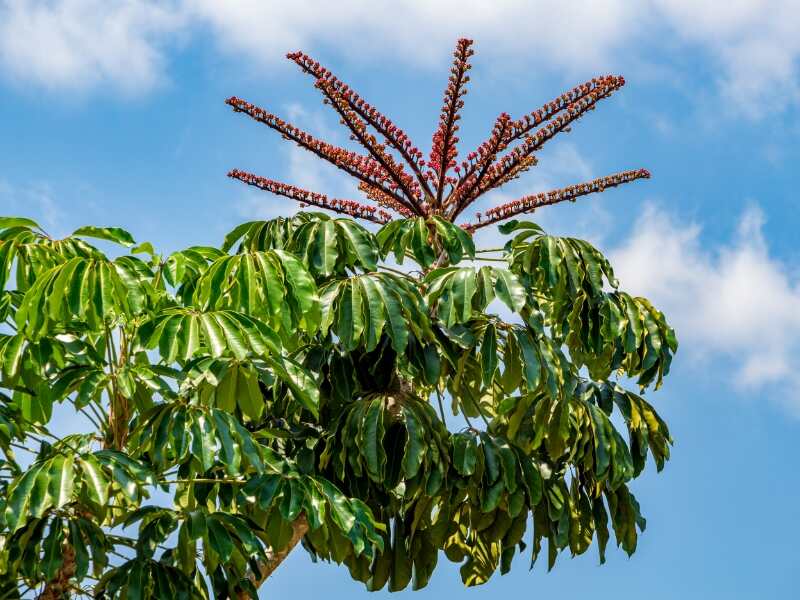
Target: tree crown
297,385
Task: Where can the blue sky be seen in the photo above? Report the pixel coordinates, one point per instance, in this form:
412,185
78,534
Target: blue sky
113,114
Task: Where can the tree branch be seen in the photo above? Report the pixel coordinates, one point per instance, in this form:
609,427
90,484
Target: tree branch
276,557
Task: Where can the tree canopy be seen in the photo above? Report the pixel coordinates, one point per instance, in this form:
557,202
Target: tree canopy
384,396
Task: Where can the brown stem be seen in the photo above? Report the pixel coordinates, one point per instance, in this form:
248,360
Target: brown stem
276,557
118,406
58,587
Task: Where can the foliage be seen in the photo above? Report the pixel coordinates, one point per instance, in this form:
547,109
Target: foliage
263,384
292,385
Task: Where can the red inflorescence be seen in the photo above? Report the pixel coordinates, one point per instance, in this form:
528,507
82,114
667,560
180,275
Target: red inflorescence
349,207
443,148
362,167
393,135
395,175
565,100
520,158
571,192
382,199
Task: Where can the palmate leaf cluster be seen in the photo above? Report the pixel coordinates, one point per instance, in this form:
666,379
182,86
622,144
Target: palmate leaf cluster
449,408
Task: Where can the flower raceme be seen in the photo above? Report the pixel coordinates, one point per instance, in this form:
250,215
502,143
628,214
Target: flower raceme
349,207
394,173
444,152
571,192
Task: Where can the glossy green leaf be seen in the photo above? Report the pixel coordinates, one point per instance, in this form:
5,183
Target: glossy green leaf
111,234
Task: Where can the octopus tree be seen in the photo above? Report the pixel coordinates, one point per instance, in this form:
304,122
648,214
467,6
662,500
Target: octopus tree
291,387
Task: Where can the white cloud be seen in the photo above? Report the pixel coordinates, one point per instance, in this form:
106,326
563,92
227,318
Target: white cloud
83,44
418,31
755,43
79,45
735,302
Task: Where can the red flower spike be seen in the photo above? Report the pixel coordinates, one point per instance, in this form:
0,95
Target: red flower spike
348,207
482,157
444,150
440,183
532,202
549,110
506,132
393,135
382,199
410,188
361,167
519,160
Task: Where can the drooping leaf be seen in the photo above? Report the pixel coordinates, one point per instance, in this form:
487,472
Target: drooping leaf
111,234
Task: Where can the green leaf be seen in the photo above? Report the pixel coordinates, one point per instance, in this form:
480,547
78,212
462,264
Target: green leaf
509,290
183,333
332,246
111,234
372,440
94,479
10,222
219,539
53,555
465,453
18,507
88,291
62,479
415,445
459,293
299,381
530,360
362,307
489,358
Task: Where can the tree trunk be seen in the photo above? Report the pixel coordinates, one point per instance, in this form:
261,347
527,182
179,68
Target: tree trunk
58,587
276,557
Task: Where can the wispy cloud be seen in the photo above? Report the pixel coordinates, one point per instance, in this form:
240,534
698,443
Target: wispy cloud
85,45
421,32
735,302
751,46
37,201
